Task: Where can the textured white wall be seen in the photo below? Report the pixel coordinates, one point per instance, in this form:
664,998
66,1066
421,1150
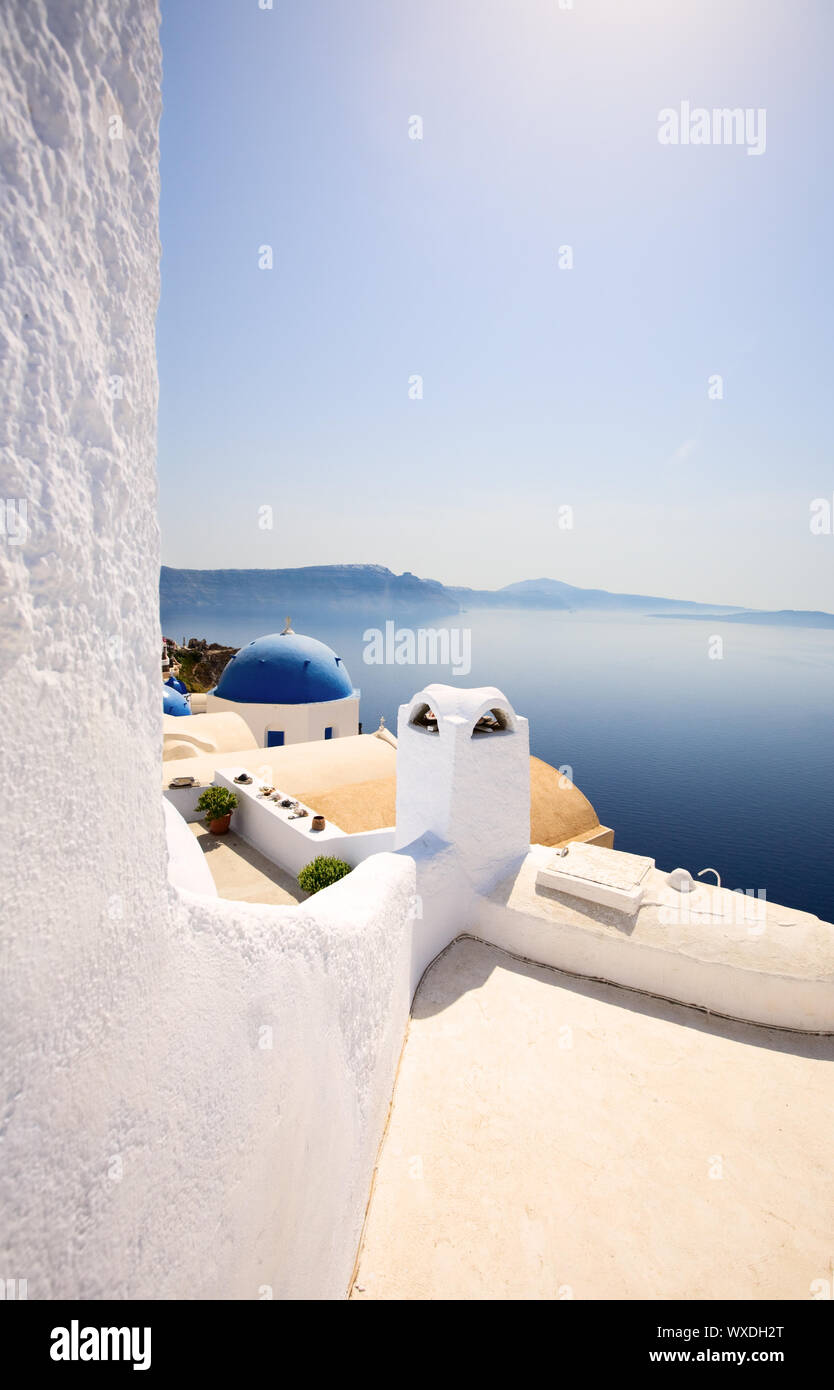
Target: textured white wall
157,1140
188,866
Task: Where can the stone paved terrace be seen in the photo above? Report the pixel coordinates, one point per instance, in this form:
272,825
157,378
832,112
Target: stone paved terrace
241,873
551,1138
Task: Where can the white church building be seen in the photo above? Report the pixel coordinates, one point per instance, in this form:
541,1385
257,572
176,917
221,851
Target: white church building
289,689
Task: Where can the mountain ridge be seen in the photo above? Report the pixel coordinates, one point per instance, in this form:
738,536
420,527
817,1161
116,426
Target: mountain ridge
366,587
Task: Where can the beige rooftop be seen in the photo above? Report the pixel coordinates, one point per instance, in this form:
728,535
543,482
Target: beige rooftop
188,736
352,780
322,766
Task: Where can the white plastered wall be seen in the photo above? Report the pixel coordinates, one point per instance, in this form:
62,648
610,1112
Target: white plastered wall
193,1091
299,723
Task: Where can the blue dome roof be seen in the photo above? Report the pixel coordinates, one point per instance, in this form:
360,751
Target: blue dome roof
284,669
176,685
173,702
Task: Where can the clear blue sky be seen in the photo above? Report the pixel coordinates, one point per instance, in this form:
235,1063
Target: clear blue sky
542,387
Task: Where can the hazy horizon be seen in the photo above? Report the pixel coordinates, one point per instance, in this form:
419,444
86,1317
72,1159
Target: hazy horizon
544,388
532,578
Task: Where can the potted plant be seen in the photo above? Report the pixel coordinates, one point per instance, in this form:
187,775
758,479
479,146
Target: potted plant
217,805
321,872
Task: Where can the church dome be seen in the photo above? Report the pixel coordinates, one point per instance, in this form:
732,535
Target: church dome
176,684
558,810
284,668
173,702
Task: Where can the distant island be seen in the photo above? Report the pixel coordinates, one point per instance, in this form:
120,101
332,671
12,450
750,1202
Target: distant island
783,617
373,588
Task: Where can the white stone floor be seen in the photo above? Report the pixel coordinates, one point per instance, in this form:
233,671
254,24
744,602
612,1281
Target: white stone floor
554,1139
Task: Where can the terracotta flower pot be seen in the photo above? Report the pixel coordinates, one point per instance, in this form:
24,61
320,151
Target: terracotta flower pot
219,827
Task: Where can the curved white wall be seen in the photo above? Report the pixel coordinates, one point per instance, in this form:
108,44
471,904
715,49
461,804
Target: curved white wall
158,1141
298,723
187,864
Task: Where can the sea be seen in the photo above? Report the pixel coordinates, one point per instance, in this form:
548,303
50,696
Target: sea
700,753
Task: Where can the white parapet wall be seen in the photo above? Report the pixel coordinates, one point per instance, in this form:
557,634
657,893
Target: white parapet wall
291,842
187,865
714,949
276,1078
194,1090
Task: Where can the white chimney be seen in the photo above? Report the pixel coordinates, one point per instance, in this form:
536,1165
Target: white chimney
463,772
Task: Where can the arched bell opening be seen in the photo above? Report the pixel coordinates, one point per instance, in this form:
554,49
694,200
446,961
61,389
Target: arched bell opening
423,717
493,721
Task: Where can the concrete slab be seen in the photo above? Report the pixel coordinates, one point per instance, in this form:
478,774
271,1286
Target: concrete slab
599,875
241,873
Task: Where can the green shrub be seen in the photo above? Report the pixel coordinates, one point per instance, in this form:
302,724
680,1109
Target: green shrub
323,871
216,802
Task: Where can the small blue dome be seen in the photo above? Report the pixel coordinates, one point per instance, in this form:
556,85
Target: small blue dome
173,702
284,669
176,685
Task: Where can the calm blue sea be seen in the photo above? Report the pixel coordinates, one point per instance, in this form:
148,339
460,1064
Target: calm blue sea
727,763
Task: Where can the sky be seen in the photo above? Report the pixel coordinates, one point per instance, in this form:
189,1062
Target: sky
570,424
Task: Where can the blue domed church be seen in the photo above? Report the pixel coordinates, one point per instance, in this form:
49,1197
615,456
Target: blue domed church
289,689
